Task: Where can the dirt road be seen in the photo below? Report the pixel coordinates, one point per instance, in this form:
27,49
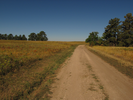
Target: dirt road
85,76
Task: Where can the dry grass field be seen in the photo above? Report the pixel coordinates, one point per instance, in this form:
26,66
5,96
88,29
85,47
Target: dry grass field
14,54
125,53
24,65
120,57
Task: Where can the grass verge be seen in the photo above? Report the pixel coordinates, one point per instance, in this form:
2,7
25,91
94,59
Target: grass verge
124,67
21,85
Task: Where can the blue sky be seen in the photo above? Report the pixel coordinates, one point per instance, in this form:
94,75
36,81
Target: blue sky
62,20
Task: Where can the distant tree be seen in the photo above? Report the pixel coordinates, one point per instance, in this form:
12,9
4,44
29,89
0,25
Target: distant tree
32,36
112,31
5,36
24,38
92,38
126,36
87,40
41,36
100,41
10,37
16,37
0,36
19,37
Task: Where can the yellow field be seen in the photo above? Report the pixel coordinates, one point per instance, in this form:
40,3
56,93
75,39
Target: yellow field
119,57
14,54
125,53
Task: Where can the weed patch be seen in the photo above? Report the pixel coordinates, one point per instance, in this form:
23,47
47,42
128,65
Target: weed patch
90,68
95,77
92,88
100,86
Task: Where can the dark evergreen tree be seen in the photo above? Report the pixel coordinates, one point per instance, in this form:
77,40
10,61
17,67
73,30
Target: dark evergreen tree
112,31
16,37
92,37
32,36
19,37
126,36
0,36
24,38
100,41
10,37
4,36
41,36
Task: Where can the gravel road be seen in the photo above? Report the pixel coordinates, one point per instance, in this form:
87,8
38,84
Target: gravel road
85,76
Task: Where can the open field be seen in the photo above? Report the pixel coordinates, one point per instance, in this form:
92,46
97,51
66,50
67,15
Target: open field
125,53
29,69
24,65
120,57
14,54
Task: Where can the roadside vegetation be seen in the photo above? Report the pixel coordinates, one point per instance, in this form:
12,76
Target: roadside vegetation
120,52
24,65
119,57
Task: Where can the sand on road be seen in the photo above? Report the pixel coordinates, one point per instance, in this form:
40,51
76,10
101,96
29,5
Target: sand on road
85,76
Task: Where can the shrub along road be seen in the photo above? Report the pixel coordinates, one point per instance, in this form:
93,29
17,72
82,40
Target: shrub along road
85,76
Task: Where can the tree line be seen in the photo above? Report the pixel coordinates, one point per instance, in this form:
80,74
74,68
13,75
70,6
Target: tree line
41,36
117,33
11,37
